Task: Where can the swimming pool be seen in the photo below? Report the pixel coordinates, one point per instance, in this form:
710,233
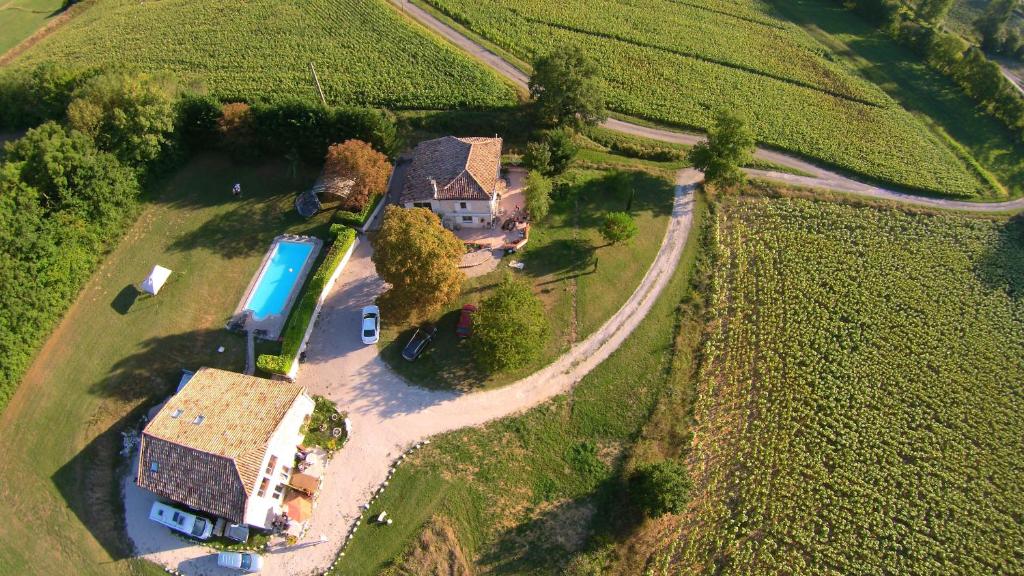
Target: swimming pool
281,275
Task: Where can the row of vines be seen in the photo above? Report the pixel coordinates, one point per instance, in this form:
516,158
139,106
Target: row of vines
861,404
680,62
364,51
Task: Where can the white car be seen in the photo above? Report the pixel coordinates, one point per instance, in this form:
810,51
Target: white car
195,526
370,325
244,561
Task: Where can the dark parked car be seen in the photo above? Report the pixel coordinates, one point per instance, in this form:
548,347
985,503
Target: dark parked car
464,329
420,338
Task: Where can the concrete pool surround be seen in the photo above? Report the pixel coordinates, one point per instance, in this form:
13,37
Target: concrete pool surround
272,323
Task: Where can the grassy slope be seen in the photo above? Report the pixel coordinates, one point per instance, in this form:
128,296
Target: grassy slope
860,401
112,357
909,81
566,254
20,18
364,50
527,492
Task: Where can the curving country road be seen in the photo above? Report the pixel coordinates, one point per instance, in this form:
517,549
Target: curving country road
820,177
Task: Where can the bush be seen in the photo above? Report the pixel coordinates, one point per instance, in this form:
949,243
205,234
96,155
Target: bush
29,97
655,153
197,122
660,488
357,219
562,143
538,195
235,127
302,313
537,157
618,227
309,129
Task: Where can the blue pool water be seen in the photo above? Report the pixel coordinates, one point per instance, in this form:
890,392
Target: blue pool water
278,280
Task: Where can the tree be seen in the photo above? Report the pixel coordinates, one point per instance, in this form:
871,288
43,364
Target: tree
729,146
661,488
237,133
562,143
618,227
567,90
537,157
132,116
538,195
357,161
510,328
992,24
419,258
933,11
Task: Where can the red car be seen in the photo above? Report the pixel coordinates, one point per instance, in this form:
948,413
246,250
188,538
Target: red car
464,329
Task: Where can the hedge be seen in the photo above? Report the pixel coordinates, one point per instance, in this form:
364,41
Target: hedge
301,316
358,219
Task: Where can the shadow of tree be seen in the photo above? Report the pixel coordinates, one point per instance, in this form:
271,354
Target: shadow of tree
1002,266
568,256
447,359
239,232
122,303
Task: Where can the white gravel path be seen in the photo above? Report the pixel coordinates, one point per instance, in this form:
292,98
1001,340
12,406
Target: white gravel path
388,416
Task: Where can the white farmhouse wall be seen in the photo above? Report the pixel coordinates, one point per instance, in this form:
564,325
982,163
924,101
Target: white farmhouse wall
260,511
480,212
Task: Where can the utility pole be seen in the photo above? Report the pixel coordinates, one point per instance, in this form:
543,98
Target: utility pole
317,80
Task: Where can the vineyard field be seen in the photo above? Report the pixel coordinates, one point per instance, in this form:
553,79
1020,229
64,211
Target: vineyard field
364,51
860,403
679,62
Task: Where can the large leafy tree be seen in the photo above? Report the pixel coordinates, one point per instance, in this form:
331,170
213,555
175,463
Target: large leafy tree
729,146
567,89
992,23
419,258
660,488
130,115
510,328
357,161
933,11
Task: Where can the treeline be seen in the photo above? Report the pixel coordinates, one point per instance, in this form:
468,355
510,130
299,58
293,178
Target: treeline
967,65
72,184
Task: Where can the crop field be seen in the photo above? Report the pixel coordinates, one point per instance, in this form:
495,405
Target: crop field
860,401
680,62
363,50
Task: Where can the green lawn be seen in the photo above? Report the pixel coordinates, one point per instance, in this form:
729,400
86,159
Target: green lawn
524,494
581,280
903,75
365,51
114,355
20,18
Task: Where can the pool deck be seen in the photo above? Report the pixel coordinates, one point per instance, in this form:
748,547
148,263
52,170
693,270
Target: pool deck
272,325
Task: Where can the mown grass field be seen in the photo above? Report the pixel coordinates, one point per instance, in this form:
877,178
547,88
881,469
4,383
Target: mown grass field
20,18
860,400
364,51
580,279
114,355
525,494
681,62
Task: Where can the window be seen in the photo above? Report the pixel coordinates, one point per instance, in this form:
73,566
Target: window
263,487
199,420
285,472
462,205
154,467
271,465
278,490
426,205
177,413
467,218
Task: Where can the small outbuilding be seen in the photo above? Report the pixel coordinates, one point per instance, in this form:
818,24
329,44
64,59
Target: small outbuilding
155,281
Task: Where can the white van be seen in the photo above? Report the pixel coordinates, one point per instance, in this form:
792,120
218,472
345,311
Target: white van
183,522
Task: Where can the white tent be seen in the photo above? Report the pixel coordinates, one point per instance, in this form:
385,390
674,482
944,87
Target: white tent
155,281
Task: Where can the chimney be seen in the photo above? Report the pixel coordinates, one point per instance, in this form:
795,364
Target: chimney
433,184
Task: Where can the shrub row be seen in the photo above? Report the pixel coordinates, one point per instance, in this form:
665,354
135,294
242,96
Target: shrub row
302,314
358,219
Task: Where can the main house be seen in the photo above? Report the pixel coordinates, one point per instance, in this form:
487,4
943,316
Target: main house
458,178
225,445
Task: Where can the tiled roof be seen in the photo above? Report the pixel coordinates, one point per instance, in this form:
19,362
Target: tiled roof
213,465
461,168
